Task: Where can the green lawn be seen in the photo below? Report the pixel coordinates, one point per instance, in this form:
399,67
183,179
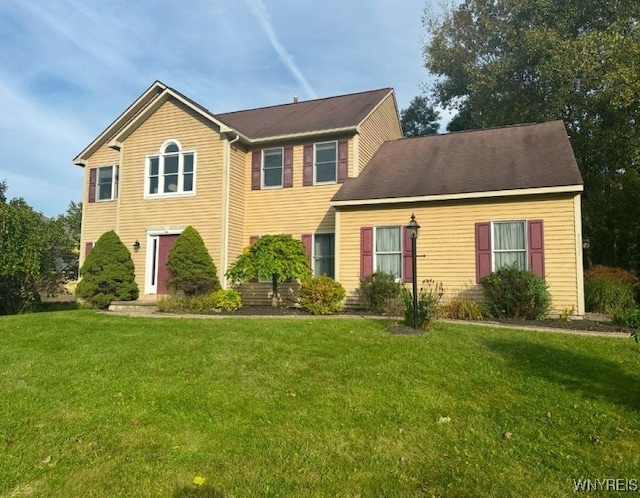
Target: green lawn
102,405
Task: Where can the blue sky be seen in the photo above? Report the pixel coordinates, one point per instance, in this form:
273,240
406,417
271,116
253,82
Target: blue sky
68,68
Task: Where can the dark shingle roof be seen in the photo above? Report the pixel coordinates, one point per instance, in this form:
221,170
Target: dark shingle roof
514,157
305,116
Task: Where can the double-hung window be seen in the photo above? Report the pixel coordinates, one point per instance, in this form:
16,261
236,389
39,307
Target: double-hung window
171,172
509,244
388,250
272,167
325,162
324,254
107,183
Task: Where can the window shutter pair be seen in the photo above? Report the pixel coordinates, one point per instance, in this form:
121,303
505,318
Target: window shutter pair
343,163
92,184
366,254
535,248
256,168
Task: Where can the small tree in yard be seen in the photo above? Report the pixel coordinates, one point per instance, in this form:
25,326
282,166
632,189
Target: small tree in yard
280,257
107,273
190,265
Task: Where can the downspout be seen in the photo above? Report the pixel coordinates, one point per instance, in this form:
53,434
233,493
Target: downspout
226,180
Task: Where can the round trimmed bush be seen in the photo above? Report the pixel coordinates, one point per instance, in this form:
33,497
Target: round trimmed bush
514,293
107,273
321,295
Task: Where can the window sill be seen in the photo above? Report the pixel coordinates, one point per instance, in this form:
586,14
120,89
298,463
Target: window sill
169,195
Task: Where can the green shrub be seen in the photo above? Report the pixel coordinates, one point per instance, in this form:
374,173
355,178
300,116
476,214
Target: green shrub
429,297
321,295
190,265
228,300
629,318
107,273
220,300
464,309
609,290
514,293
377,289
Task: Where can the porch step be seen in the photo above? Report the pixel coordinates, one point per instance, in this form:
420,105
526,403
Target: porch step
134,306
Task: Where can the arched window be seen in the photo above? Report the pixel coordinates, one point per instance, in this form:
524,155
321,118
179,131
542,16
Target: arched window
171,171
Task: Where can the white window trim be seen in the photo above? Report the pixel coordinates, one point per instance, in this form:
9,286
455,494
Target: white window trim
493,243
313,251
149,287
331,182
262,175
375,252
160,156
115,181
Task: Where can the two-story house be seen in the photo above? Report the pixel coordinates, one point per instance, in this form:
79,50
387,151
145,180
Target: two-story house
337,174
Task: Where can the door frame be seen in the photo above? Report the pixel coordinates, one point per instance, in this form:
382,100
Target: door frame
151,264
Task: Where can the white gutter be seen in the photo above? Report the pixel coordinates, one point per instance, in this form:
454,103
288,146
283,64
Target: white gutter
226,182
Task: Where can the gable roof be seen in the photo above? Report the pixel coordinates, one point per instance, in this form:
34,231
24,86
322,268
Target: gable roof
327,115
491,162
344,112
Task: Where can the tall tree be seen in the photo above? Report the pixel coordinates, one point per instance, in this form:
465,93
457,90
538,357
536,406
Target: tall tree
420,118
21,235
513,61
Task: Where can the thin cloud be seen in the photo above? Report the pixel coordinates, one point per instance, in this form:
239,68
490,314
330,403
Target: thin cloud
260,11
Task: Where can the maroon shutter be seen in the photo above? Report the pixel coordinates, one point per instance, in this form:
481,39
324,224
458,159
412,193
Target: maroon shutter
483,250
343,161
252,240
256,173
366,251
407,261
536,247
307,167
288,167
87,248
307,239
92,184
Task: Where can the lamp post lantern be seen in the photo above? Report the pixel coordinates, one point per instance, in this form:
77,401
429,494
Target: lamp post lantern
414,230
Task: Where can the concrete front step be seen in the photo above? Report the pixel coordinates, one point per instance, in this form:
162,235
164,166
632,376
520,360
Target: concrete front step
134,306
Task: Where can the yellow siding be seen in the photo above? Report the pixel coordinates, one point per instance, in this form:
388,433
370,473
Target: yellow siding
237,186
447,239
97,217
296,210
136,214
382,125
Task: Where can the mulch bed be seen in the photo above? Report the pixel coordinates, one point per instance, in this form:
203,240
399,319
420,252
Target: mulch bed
578,325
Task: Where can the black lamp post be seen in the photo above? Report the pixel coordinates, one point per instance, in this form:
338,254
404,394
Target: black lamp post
414,229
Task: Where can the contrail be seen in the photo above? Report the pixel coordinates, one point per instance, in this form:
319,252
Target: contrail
260,11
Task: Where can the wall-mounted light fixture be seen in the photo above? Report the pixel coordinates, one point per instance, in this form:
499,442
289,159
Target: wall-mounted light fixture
136,246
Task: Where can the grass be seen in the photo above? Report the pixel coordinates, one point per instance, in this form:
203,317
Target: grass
103,405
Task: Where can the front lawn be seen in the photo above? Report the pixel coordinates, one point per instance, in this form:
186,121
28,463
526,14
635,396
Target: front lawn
102,405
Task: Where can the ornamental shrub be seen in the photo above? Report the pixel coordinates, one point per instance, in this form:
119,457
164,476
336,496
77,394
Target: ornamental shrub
377,289
463,309
220,300
321,295
192,271
429,297
610,290
107,273
514,293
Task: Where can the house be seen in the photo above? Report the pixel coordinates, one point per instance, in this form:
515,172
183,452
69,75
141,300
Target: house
336,173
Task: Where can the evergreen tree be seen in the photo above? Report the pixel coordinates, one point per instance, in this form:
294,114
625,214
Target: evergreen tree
107,273
190,265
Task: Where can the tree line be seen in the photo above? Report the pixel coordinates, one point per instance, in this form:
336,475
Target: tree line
504,62
39,254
